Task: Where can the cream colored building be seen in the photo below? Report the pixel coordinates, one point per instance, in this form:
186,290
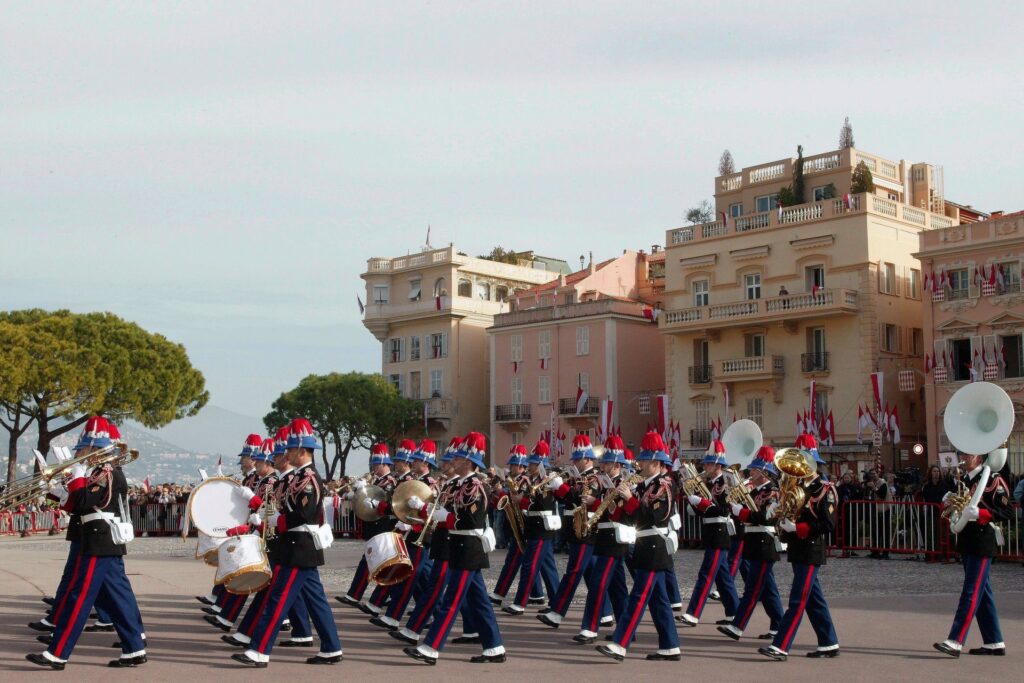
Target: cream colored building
430,311
767,300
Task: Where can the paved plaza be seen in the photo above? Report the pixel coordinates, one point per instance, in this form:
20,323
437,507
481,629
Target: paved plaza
887,614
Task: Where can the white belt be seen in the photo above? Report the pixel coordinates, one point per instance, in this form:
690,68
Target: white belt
540,513
466,532
653,531
716,520
608,525
307,528
93,516
759,529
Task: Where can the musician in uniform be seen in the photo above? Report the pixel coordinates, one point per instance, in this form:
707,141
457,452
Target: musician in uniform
649,508
468,532
607,581
807,537
716,535
421,460
516,480
296,575
760,550
541,523
581,550
380,468
98,495
977,544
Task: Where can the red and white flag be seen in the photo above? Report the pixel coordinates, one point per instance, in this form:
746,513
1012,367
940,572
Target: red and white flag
662,401
725,395
362,308
894,425
515,366
831,429
876,387
725,218
929,363
860,424
812,395
437,302
145,484
543,363
581,400
848,200
604,420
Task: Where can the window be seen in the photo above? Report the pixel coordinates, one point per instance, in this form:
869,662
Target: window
702,419
440,287
582,341
960,350
820,405
766,202
700,292
916,341
887,278
483,291
414,348
414,385
752,284
569,299
414,289
959,284
890,338
644,405
439,345
436,377
544,344
465,288
816,340
516,346
396,381
1013,351
501,293
544,389
736,210
517,390
753,345
380,294
517,438
583,432
395,350
914,283
754,408
822,192
1011,277
814,278
583,381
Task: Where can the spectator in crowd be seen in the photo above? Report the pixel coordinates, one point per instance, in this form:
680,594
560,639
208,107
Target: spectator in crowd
876,489
935,488
849,490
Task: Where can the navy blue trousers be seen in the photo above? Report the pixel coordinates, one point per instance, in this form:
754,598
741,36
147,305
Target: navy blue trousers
464,591
538,558
713,567
298,616
509,570
976,600
291,585
806,595
607,584
648,593
400,593
60,597
760,586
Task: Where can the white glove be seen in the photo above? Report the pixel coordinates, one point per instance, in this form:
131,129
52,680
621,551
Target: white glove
770,512
415,503
440,515
971,513
737,509
359,485
694,500
245,492
349,495
272,520
402,526
555,484
947,496
370,503
788,525
79,471
255,520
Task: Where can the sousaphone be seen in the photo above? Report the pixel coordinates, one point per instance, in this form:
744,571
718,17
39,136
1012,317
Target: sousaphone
742,440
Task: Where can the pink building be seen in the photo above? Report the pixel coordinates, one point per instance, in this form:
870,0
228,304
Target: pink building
974,319
591,330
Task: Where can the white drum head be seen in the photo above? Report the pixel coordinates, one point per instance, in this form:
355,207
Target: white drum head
214,506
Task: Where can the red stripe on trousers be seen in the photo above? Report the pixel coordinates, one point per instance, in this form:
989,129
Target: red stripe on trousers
263,603
70,624
533,573
64,598
363,572
788,640
631,628
736,560
438,587
560,607
707,585
452,611
595,618
756,594
502,587
410,581
271,625
974,603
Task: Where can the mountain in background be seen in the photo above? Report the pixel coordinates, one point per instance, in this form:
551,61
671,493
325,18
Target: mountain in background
213,430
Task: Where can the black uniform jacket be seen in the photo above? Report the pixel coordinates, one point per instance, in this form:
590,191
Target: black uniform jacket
817,519
302,505
468,513
652,504
101,490
716,535
604,540
571,496
388,520
979,538
542,501
760,545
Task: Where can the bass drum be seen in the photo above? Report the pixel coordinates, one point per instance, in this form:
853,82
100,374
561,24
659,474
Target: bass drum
206,549
242,565
215,506
387,559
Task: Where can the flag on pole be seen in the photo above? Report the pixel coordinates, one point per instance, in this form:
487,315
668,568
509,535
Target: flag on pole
428,235
662,412
543,363
604,420
437,302
876,387
831,429
725,218
581,399
848,200
812,395
894,425
220,468
362,308
860,424
426,414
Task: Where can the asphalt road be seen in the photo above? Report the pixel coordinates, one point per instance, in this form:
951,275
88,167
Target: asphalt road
887,615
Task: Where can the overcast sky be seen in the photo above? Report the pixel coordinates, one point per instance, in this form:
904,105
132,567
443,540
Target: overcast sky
220,172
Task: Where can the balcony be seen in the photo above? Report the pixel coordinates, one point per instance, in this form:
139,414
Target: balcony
751,368
513,412
825,302
700,374
814,362
439,408
700,438
579,310
567,406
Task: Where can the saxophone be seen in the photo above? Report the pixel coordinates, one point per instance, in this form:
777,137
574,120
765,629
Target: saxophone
580,514
513,513
609,500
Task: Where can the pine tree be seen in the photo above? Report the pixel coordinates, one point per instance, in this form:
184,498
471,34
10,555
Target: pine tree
846,135
862,180
725,164
798,176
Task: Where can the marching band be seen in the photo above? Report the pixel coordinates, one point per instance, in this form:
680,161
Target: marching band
426,524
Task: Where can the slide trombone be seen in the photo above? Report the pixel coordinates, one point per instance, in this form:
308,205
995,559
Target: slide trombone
26,490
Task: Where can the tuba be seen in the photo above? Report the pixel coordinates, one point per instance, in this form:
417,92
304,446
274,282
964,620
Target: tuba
795,466
740,494
692,482
978,419
742,440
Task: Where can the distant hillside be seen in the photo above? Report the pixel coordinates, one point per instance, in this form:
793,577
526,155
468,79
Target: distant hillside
213,430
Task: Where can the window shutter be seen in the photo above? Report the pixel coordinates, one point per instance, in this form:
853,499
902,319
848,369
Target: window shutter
976,351
444,344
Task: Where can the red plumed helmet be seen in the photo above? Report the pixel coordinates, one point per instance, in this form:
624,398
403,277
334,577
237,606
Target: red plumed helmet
454,444
519,449
282,434
113,432
300,427
716,447
254,441
379,449
96,425
407,446
614,443
766,454
428,446
628,454
267,446
580,442
806,441
542,449
475,442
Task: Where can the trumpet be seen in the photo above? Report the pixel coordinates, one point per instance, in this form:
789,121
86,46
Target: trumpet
692,482
536,488
740,495
958,501
28,489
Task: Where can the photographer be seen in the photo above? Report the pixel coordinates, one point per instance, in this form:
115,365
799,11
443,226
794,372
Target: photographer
876,489
849,490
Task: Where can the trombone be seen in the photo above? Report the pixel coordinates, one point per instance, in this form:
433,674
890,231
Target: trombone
28,489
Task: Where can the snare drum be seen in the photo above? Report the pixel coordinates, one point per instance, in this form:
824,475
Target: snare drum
387,559
242,565
206,549
215,506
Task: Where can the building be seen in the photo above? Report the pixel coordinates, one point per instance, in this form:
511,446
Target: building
430,311
769,298
592,330
974,319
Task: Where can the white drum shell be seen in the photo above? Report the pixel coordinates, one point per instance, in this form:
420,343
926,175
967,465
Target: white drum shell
206,548
384,554
242,565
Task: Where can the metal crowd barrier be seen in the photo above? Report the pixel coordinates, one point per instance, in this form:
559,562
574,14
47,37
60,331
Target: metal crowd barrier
42,521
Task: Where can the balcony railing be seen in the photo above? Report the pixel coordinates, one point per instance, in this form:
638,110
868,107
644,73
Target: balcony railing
700,374
805,305
700,438
439,408
752,367
814,362
579,310
513,412
567,406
